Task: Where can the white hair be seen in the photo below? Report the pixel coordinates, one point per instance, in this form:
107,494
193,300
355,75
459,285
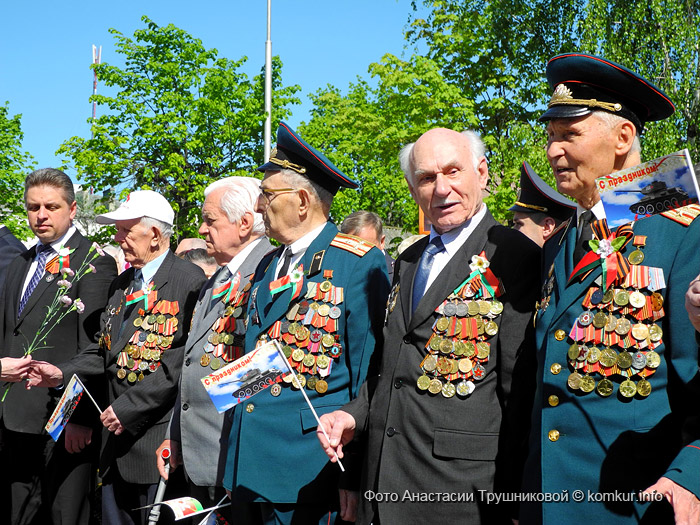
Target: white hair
298,181
240,196
612,120
166,230
476,148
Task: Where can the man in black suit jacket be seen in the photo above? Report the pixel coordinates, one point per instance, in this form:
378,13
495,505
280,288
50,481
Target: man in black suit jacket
143,334
49,483
436,419
10,247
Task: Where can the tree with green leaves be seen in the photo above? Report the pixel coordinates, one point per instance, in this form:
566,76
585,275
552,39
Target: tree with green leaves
15,164
181,117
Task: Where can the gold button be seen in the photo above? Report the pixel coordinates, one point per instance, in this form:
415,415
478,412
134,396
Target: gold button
249,407
555,368
553,435
559,335
553,401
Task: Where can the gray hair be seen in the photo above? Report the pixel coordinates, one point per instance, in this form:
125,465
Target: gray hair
166,230
297,181
360,219
51,177
476,148
240,196
612,120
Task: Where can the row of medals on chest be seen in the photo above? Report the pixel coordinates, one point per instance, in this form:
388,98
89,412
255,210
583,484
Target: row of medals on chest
221,349
608,362
457,348
299,336
154,335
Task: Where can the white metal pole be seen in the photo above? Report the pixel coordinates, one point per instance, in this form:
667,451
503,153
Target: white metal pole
268,86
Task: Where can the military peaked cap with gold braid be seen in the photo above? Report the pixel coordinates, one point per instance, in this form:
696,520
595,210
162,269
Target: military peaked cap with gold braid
585,83
295,154
536,196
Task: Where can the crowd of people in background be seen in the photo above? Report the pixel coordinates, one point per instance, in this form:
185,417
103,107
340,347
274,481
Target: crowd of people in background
486,375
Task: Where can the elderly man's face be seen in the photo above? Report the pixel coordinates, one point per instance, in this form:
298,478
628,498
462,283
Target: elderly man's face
223,238
48,213
136,241
444,184
579,151
279,206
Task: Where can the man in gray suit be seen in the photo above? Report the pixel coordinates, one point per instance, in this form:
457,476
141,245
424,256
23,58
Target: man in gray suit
198,434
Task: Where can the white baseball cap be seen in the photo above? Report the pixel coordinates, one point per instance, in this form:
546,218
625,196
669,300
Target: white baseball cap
143,203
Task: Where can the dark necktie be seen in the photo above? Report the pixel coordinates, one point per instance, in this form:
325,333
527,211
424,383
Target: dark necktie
222,276
135,285
585,234
43,251
286,260
434,247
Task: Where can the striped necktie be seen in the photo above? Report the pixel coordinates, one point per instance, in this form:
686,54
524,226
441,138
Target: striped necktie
43,251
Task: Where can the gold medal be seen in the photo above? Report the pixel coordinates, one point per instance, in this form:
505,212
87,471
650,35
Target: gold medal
465,365
483,350
640,331
637,299
327,340
444,366
622,298
322,361
636,257
605,387
593,355
321,386
573,352
423,382
300,381
491,328
623,326
484,307
473,308
132,377
624,360
435,386
628,388
325,286
657,301
446,346
309,360
496,307
324,310
643,387
430,363
459,348
121,373
608,357
205,360
435,343
655,333
600,319
469,349
442,324
215,363
653,359
160,319
608,295
587,384
298,355
311,383
276,389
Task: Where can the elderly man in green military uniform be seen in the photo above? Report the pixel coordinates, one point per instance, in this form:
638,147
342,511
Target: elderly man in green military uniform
616,350
322,296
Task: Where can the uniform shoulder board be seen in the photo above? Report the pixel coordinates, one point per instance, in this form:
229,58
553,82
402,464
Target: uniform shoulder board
684,215
352,244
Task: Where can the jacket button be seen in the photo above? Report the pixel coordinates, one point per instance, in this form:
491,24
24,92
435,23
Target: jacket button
187,362
555,368
407,339
553,435
398,383
249,407
185,406
553,401
390,431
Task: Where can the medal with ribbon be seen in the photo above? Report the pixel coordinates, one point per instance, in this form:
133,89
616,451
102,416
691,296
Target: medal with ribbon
60,261
607,252
149,298
228,289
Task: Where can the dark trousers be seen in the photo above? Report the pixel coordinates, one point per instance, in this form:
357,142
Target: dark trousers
42,483
282,514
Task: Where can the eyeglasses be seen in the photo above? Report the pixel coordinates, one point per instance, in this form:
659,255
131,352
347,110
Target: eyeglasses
268,194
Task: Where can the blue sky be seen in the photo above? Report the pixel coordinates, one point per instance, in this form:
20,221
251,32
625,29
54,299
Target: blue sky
45,50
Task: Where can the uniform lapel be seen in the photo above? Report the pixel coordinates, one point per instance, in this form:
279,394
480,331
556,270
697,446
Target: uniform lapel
407,272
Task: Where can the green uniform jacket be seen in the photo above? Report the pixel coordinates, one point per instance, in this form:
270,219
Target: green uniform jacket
613,447
274,454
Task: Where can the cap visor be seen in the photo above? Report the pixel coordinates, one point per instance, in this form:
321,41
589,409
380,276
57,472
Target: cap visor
565,112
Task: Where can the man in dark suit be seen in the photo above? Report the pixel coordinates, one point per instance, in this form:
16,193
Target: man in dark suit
49,483
235,236
434,418
142,339
10,247
368,226
321,294
617,354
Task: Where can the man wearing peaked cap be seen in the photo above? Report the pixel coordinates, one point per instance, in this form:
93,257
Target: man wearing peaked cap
539,210
322,296
616,350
